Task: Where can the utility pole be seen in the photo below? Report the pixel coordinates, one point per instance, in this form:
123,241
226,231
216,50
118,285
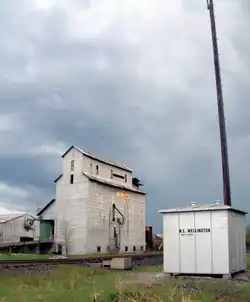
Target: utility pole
221,115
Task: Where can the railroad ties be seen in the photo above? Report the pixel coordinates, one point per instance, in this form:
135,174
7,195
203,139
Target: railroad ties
155,258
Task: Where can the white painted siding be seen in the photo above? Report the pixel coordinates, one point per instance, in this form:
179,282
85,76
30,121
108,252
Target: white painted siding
207,241
237,241
188,252
50,212
12,230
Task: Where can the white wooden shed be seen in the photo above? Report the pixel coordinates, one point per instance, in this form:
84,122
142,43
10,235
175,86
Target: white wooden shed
204,239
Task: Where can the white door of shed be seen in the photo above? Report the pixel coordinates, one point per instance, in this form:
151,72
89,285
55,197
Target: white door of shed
187,244
195,251
186,252
171,260
203,243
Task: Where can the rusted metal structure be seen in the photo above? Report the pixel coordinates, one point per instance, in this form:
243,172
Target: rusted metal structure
149,237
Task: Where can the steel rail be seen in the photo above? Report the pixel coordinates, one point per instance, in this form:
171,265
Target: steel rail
97,259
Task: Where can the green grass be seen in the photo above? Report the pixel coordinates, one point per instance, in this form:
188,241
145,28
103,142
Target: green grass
24,256
77,283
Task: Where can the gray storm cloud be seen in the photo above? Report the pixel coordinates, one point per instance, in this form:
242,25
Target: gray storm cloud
131,81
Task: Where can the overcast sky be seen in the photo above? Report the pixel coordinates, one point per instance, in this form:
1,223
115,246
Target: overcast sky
130,80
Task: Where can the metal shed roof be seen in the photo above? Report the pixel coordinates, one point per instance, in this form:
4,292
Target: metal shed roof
46,207
7,217
111,183
99,158
206,207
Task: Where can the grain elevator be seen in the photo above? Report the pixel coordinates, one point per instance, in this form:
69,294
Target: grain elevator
99,206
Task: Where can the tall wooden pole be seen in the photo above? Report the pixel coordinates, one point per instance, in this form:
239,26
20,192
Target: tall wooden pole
221,115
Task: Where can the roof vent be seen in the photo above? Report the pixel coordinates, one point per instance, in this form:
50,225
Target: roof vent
192,203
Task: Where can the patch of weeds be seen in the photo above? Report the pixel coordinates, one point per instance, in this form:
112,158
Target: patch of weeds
127,296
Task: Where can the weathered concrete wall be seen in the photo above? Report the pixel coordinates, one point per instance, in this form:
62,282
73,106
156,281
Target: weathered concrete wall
70,206
105,170
100,226
82,164
83,208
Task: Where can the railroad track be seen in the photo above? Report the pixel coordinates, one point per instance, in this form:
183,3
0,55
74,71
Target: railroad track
138,259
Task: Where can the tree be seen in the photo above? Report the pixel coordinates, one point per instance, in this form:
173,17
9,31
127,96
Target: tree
66,230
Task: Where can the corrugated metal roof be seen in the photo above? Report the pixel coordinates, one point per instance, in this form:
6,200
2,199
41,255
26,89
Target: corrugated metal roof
46,207
112,183
7,217
99,158
206,207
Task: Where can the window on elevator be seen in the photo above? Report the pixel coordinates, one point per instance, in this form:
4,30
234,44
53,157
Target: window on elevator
72,165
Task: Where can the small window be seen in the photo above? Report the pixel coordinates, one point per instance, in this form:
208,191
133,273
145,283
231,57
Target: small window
97,169
126,178
134,248
90,167
126,248
72,165
111,173
59,249
99,249
118,176
142,248
71,178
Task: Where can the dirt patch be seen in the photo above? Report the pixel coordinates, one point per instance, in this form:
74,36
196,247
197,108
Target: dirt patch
146,278
160,278
245,276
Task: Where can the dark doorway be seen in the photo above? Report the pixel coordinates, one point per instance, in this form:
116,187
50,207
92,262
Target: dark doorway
26,239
